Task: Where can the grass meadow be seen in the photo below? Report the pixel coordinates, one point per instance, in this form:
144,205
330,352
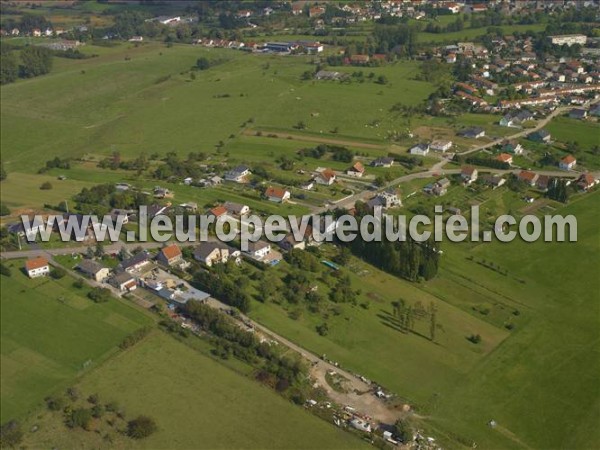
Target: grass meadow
524,379
196,402
51,334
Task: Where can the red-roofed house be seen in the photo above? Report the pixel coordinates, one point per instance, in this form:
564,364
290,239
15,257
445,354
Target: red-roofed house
218,211
357,170
526,176
277,195
505,158
170,255
586,181
567,163
326,177
37,267
468,174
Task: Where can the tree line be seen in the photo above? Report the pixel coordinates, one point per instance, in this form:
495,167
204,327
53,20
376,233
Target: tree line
410,259
29,62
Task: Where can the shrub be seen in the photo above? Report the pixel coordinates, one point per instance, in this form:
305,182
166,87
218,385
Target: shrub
80,417
141,427
5,270
57,273
99,295
10,434
46,186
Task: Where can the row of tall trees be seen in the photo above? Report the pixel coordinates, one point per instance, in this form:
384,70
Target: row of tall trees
409,259
28,62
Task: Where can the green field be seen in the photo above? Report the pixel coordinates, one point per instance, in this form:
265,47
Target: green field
471,33
196,402
51,334
538,373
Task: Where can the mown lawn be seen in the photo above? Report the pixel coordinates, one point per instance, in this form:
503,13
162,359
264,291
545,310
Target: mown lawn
51,333
196,402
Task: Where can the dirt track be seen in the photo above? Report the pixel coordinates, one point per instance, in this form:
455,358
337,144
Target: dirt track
320,140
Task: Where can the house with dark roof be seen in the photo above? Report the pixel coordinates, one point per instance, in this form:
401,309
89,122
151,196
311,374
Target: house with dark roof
472,133
124,282
289,242
469,174
578,113
383,162
93,269
238,174
542,136
135,263
236,209
210,253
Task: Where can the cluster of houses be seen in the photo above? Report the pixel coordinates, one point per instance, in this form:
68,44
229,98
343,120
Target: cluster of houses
438,145
307,47
513,64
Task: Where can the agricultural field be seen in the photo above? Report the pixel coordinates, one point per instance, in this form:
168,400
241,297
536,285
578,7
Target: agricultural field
193,400
471,33
52,334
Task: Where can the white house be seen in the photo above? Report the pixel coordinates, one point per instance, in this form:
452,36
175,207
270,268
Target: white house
277,195
440,146
211,253
93,269
419,149
357,170
568,162
238,174
468,174
259,249
326,177
37,267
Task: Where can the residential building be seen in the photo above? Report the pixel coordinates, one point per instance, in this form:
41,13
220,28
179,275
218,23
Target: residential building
135,263
37,267
259,249
578,114
236,209
495,180
385,199
170,255
124,282
528,177
326,177
540,136
210,253
93,269
586,181
218,212
469,174
289,242
505,158
383,162
238,174
357,170
568,39
472,133
277,195
567,163
440,146
419,149
512,147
